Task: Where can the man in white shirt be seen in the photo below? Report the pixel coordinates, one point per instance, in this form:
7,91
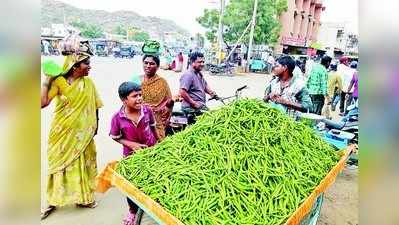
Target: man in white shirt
346,74
309,65
270,63
298,72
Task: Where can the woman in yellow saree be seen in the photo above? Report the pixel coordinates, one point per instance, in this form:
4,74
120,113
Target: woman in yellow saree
72,166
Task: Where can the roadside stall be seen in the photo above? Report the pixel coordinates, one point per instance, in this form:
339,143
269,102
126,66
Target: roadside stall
245,163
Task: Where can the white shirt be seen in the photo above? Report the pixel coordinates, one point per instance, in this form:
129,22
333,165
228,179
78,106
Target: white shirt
308,66
270,60
346,74
298,73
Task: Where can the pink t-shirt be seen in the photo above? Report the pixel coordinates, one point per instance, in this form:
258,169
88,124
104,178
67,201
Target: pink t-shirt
123,127
355,81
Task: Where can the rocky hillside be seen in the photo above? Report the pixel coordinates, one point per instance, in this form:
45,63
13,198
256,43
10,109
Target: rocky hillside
53,11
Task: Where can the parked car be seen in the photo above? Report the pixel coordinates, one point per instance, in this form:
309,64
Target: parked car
101,50
127,52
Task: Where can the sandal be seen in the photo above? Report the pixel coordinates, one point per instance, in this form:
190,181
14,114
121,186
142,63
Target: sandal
130,219
47,212
90,205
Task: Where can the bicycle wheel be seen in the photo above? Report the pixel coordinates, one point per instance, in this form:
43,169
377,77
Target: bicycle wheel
139,216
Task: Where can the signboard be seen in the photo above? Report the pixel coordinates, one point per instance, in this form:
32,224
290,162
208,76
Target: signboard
293,41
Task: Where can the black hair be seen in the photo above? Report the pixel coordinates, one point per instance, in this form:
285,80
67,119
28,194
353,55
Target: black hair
154,57
353,65
333,67
195,55
298,63
287,61
126,88
325,61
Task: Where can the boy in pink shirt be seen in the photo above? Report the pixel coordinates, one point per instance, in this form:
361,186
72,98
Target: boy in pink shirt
133,126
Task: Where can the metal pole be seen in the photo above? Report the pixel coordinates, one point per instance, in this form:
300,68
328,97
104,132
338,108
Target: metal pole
220,31
238,41
251,35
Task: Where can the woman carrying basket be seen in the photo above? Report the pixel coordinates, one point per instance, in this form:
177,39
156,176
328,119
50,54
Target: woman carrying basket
72,166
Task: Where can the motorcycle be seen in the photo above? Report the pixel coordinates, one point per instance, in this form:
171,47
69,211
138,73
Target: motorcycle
220,69
344,132
180,120
348,127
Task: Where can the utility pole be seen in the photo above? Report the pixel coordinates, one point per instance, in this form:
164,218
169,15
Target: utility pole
251,35
220,31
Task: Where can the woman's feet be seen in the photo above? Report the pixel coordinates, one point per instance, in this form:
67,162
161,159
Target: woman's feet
90,205
129,219
50,209
47,212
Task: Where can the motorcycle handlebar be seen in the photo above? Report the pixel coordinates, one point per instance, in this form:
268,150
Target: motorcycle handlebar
242,88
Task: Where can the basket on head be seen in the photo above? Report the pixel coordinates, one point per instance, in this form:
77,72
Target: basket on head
151,47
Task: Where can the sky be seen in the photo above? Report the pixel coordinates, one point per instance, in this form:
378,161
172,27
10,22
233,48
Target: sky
184,12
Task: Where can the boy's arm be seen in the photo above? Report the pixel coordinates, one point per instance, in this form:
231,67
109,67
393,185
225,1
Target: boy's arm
153,124
154,131
131,144
116,134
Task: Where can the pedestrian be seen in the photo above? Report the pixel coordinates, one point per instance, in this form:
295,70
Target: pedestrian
346,74
334,86
46,47
317,84
309,65
71,154
193,87
134,127
286,91
297,73
157,94
188,59
353,84
270,63
179,64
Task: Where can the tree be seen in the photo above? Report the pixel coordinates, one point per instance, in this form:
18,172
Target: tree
140,36
92,31
200,40
210,20
88,30
237,16
120,30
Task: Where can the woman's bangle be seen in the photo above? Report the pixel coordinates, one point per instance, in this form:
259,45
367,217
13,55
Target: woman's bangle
46,84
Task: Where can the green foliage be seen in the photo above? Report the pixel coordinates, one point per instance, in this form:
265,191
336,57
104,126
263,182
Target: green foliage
88,30
210,20
237,16
139,36
120,30
200,39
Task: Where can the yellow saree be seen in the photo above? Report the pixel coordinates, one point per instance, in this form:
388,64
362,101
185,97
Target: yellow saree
71,150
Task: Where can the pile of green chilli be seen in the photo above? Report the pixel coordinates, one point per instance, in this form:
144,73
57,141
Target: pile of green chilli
245,163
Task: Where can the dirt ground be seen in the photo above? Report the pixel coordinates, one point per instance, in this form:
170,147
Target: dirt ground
340,206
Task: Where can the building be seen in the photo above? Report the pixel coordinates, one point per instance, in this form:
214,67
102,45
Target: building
300,26
337,40
175,40
59,30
